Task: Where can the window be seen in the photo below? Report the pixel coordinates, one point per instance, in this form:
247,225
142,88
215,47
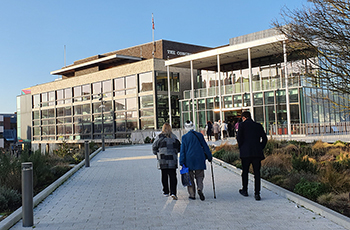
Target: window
86,91
258,99
119,104
107,88
228,102
237,100
36,101
246,99
146,101
119,86
269,98
68,95
131,104
162,81
96,89
145,82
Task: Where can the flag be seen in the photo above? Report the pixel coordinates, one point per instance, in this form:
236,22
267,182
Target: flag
152,23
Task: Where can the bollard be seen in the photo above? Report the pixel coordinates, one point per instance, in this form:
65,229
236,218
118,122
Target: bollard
27,194
103,142
87,154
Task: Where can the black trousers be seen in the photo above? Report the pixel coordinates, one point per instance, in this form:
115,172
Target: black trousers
256,163
169,174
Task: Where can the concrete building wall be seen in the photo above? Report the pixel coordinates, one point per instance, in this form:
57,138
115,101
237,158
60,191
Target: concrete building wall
24,116
120,71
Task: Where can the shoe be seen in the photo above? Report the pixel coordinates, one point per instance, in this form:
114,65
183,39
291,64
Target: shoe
201,195
192,198
173,196
166,194
243,192
257,197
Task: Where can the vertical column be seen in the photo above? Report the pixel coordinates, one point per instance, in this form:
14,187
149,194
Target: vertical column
27,194
87,154
287,89
220,99
250,83
192,95
169,95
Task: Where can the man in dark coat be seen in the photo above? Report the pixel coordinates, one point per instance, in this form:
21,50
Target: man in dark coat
252,140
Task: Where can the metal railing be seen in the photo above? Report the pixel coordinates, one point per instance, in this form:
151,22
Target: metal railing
341,128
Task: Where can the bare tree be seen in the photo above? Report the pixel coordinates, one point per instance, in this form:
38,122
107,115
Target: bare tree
324,27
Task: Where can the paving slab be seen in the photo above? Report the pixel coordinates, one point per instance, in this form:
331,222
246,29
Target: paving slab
122,190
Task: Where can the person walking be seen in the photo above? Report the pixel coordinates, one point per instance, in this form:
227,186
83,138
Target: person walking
209,130
194,151
251,139
216,130
224,130
166,146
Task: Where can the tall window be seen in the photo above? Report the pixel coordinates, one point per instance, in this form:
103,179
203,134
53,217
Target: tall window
145,82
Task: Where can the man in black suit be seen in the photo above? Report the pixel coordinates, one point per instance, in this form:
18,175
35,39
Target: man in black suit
251,139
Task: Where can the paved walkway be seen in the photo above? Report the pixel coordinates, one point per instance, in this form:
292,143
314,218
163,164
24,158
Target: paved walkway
122,190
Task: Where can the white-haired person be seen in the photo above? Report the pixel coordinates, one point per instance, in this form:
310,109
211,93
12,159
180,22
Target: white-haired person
194,151
166,146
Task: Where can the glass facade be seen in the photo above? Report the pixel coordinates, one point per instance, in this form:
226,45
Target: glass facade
114,108
306,104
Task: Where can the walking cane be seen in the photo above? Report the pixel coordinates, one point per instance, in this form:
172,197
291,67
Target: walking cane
212,177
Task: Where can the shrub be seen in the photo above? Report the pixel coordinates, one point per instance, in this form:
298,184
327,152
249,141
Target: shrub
227,147
343,160
269,172
278,160
63,150
339,143
305,150
294,177
218,154
338,182
304,164
310,189
10,171
298,143
291,149
9,199
337,202
271,145
230,157
92,146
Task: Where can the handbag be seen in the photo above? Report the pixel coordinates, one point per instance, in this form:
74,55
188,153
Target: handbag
185,176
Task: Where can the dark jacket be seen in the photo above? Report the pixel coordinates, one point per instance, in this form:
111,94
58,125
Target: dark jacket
192,155
251,139
209,129
166,149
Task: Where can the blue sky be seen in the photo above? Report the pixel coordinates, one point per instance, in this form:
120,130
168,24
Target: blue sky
34,33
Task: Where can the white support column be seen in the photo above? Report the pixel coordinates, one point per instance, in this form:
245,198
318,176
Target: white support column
287,90
192,92
169,95
220,99
250,83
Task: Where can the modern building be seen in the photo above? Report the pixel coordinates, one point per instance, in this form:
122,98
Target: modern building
24,116
8,132
110,95
265,74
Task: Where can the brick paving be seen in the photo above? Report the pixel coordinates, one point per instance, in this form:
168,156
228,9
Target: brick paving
122,190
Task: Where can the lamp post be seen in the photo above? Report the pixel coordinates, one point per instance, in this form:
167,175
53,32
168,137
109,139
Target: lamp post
102,134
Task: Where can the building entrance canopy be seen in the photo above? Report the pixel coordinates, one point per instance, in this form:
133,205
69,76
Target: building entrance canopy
241,50
230,54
